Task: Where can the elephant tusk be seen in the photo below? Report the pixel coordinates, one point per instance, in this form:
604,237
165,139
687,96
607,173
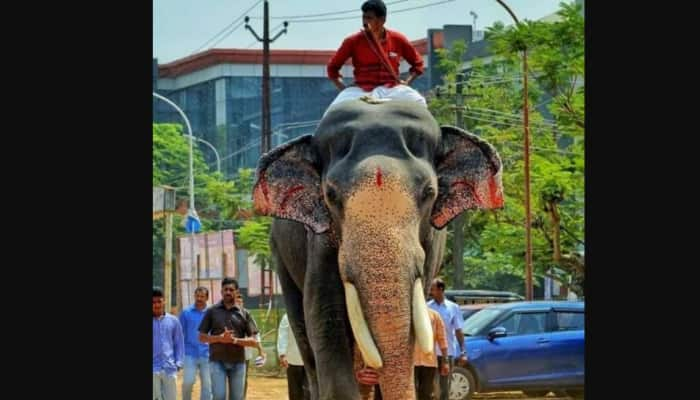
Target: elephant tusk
421,319
364,339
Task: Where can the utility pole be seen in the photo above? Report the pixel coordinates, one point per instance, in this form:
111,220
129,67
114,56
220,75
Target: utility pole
164,206
168,268
193,223
265,142
458,224
461,221
266,131
528,210
526,157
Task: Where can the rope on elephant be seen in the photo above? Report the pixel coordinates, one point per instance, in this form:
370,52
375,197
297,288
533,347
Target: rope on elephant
373,100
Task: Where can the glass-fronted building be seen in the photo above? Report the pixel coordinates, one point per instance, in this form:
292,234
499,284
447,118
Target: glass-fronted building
220,91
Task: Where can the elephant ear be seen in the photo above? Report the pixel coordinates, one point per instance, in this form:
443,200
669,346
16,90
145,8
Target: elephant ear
288,185
469,176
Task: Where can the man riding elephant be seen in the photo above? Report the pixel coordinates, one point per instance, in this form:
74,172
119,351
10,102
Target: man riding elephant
361,205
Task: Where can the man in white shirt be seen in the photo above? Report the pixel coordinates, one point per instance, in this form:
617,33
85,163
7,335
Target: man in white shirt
290,359
452,318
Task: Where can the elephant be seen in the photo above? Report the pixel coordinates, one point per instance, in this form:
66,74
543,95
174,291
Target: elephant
357,237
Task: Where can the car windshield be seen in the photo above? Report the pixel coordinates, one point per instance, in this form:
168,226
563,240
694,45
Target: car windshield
478,321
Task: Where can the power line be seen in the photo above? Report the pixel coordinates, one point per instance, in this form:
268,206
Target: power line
247,147
228,34
299,21
447,86
480,83
479,75
519,117
510,119
326,13
484,118
509,123
543,103
475,114
475,81
507,115
542,149
228,26
276,131
298,124
253,143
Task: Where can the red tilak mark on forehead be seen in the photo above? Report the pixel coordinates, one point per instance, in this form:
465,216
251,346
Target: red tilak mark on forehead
289,194
379,177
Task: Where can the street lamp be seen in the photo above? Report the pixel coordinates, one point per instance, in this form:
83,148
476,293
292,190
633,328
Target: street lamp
526,156
192,218
216,153
189,134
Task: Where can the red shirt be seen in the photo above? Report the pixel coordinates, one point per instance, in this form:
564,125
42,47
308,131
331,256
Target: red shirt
368,70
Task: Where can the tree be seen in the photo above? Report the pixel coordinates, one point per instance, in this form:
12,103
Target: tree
220,203
254,235
494,247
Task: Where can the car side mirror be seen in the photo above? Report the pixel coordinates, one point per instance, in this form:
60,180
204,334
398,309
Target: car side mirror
497,332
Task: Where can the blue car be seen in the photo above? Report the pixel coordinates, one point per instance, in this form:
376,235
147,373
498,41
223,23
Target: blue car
535,347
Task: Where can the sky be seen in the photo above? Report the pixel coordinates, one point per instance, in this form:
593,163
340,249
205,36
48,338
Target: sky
183,27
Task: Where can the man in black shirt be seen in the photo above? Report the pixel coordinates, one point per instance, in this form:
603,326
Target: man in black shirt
228,328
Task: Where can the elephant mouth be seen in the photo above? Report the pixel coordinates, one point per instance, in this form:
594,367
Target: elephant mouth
366,344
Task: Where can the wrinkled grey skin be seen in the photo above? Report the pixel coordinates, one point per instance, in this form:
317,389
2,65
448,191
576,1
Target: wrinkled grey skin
306,254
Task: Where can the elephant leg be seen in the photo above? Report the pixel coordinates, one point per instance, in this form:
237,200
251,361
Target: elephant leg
290,258
327,324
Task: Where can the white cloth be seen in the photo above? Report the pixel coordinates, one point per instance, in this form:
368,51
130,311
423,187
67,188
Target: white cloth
249,350
287,344
398,92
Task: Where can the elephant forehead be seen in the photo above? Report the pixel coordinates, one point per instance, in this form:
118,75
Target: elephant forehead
379,200
352,117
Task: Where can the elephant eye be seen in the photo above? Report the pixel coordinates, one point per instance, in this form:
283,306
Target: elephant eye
428,193
332,197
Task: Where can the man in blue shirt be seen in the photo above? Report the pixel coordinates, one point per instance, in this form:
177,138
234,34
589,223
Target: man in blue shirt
452,318
196,352
168,350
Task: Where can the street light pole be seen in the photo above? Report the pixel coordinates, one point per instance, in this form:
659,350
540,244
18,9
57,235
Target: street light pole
216,153
190,136
526,156
191,210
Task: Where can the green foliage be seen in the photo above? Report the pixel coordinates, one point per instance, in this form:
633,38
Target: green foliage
254,235
494,246
220,203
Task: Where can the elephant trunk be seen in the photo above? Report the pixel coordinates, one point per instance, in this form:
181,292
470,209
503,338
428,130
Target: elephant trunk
385,302
381,262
